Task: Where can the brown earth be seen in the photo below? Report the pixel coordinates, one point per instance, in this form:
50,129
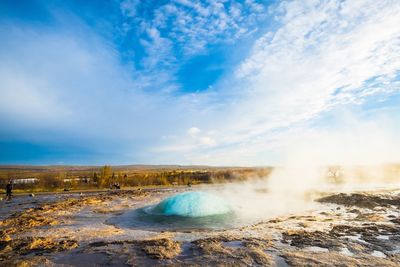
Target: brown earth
364,230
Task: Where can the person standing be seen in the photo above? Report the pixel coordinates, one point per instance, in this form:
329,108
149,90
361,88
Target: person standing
9,190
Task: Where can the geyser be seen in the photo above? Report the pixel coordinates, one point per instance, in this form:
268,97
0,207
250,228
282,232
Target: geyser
194,210
192,204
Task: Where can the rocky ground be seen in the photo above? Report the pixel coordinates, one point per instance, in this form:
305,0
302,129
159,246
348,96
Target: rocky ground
355,229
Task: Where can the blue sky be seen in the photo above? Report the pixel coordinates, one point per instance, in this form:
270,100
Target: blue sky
198,82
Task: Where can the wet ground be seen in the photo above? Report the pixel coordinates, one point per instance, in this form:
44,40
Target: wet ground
100,229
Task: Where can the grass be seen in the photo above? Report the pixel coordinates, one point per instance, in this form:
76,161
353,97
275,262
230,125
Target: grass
78,190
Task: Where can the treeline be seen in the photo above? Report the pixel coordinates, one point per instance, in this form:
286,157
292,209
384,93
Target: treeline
106,177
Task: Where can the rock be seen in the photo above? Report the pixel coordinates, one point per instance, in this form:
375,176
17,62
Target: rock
255,256
361,200
212,246
304,239
252,253
333,259
4,236
304,224
356,211
31,262
28,244
396,220
370,217
161,248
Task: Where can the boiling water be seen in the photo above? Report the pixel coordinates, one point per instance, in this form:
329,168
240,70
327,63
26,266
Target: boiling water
191,204
185,211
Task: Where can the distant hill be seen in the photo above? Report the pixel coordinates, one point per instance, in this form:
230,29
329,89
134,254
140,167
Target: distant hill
133,167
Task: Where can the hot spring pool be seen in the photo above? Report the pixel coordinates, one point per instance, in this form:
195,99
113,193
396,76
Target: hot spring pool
191,204
184,211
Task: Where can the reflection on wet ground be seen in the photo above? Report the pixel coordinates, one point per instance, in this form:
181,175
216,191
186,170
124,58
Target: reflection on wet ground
140,219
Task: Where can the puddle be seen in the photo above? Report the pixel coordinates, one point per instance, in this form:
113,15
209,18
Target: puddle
233,244
383,237
346,251
280,262
86,259
316,249
378,254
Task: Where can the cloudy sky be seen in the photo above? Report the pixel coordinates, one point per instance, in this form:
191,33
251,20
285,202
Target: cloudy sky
197,82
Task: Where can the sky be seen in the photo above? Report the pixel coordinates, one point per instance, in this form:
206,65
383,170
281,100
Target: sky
215,82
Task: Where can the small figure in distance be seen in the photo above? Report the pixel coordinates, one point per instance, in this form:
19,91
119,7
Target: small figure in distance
9,190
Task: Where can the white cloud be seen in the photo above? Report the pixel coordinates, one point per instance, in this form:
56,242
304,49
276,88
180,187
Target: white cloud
62,86
207,141
293,73
201,139
193,131
317,56
158,50
129,7
192,25
323,55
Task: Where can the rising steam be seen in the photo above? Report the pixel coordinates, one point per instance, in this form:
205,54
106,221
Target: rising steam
355,156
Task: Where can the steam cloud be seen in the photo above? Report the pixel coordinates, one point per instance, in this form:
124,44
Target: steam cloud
359,155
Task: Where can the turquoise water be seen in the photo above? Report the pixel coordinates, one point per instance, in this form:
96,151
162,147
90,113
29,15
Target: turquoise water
192,204
181,212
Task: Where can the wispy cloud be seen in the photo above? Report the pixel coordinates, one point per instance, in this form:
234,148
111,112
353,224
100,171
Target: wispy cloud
190,26
65,83
62,86
323,55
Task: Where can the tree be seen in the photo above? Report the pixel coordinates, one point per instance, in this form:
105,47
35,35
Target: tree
96,178
106,173
50,181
